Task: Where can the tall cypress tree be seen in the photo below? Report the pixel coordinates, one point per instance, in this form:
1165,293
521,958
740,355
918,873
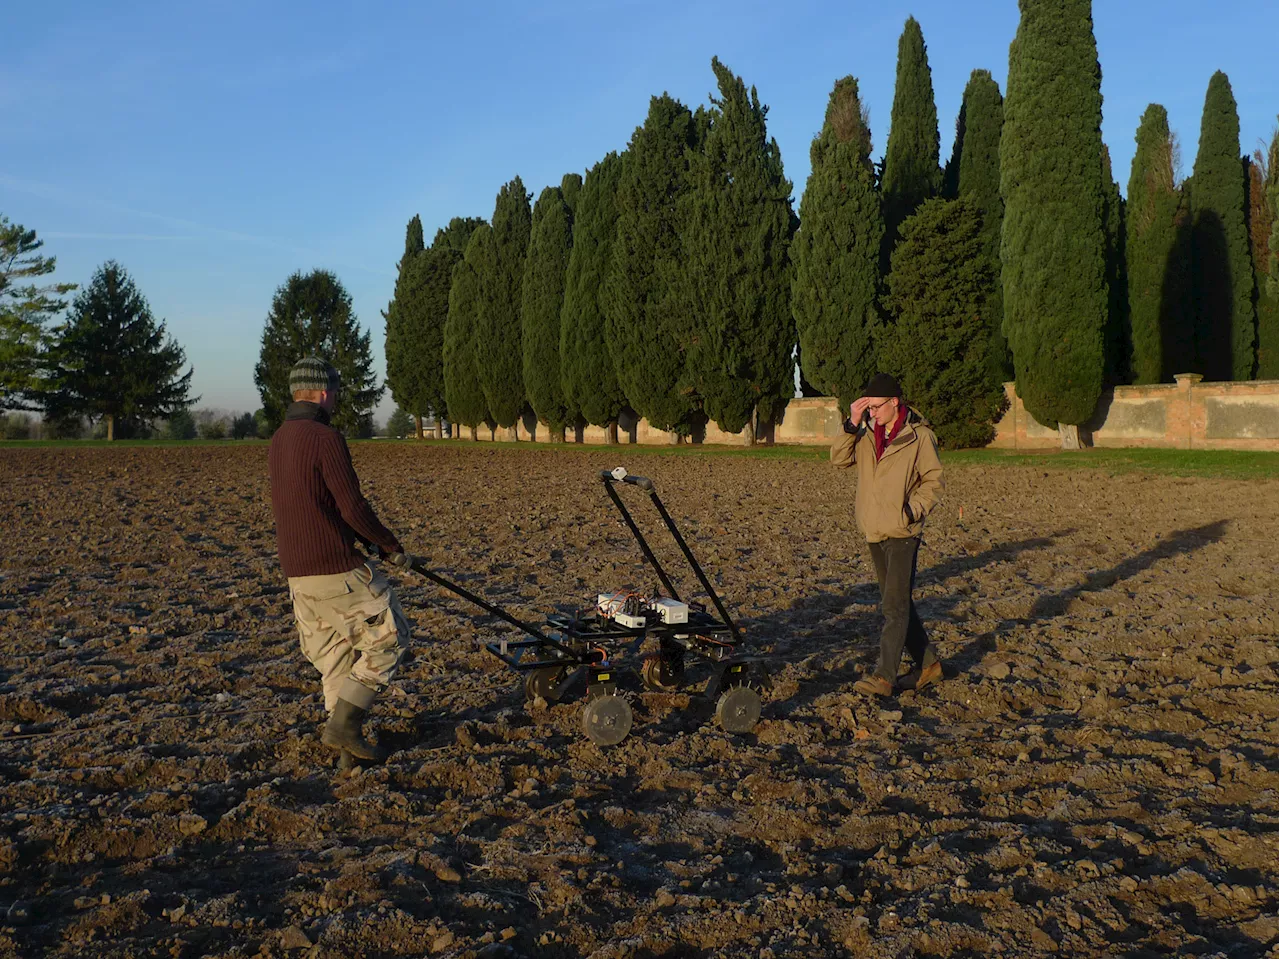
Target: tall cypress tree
1053,245
974,172
463,392
499,354
837,252
646,326
1150,233
570,190
1262,226
542,299
1226,324
457,234
942,271
737,275
404,319
587,371
911,171
1117,340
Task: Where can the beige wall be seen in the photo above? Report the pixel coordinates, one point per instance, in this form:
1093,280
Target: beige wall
1188,414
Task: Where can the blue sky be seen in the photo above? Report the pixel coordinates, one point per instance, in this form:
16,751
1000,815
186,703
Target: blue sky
213,148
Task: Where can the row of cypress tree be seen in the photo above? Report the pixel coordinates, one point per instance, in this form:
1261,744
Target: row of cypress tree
676,281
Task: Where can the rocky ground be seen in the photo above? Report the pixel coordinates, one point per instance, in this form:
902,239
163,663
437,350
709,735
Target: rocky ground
1097,776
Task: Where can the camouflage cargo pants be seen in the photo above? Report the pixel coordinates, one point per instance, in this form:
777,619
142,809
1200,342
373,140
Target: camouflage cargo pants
352,630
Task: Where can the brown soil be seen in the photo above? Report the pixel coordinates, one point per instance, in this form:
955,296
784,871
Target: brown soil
1097,776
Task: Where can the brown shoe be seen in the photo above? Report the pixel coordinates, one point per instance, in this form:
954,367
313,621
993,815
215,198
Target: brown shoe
918,679
873,685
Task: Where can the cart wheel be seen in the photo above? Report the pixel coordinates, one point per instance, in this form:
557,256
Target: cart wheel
606,720
661,675
738,709
542,682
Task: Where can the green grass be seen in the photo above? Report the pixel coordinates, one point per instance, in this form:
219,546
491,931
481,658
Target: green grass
1224,464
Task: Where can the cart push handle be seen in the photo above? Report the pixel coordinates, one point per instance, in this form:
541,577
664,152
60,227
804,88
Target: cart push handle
620,474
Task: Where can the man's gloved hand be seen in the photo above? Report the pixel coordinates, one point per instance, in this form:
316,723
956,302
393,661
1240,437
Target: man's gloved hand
406,560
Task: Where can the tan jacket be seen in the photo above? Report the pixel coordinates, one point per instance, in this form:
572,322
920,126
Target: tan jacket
898,492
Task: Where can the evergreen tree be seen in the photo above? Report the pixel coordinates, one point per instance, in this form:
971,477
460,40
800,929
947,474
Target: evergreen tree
457,234
587,373
1117,339
542,301
464,394
1053,246
737,275
499,353
837,252
25,310
112,360
570,190
1226,324
911,156
400,424
974,172
1150,232
942,273
311,315
1262,227
646,327
411,357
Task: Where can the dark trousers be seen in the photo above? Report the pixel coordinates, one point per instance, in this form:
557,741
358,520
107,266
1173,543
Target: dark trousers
895,562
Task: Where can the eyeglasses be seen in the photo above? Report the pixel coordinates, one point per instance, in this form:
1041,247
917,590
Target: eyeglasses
877,407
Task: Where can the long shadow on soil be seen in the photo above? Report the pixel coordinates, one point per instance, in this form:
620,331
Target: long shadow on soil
1052,605
840,633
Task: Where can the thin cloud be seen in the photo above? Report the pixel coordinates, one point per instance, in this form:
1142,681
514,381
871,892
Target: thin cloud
60,235
49,191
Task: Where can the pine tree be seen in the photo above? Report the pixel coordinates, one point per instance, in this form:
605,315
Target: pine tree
646,327
1053,247
541,304
408,320
311,315
937,345
1117,338
1150,232
837,252
911,171
400,423
499,353
25,310
112,360
587,373
1262,226
974,172
737,275
1226,324
464,394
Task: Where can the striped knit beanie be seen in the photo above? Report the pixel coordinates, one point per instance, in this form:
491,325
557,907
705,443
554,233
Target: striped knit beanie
312,373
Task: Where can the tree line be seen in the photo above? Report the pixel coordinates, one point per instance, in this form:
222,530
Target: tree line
674,279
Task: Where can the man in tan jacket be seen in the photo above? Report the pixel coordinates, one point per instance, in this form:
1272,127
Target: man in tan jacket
899,483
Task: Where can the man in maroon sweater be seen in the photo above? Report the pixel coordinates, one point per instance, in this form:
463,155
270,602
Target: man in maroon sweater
350,624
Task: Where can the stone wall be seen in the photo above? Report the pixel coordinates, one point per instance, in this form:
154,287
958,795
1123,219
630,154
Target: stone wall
1187,414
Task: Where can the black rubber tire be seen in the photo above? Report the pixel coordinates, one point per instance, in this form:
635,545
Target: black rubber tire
662,676
738,709
606,720
541,682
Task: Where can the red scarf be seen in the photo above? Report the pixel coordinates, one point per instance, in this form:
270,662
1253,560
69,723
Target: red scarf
881,440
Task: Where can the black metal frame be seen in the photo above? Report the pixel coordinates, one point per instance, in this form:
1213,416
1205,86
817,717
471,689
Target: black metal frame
588,641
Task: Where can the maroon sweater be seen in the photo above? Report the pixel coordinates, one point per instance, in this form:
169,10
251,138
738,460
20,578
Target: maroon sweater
315,495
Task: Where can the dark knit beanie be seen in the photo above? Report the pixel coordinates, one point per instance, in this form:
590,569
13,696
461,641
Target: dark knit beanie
312,373
882,384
